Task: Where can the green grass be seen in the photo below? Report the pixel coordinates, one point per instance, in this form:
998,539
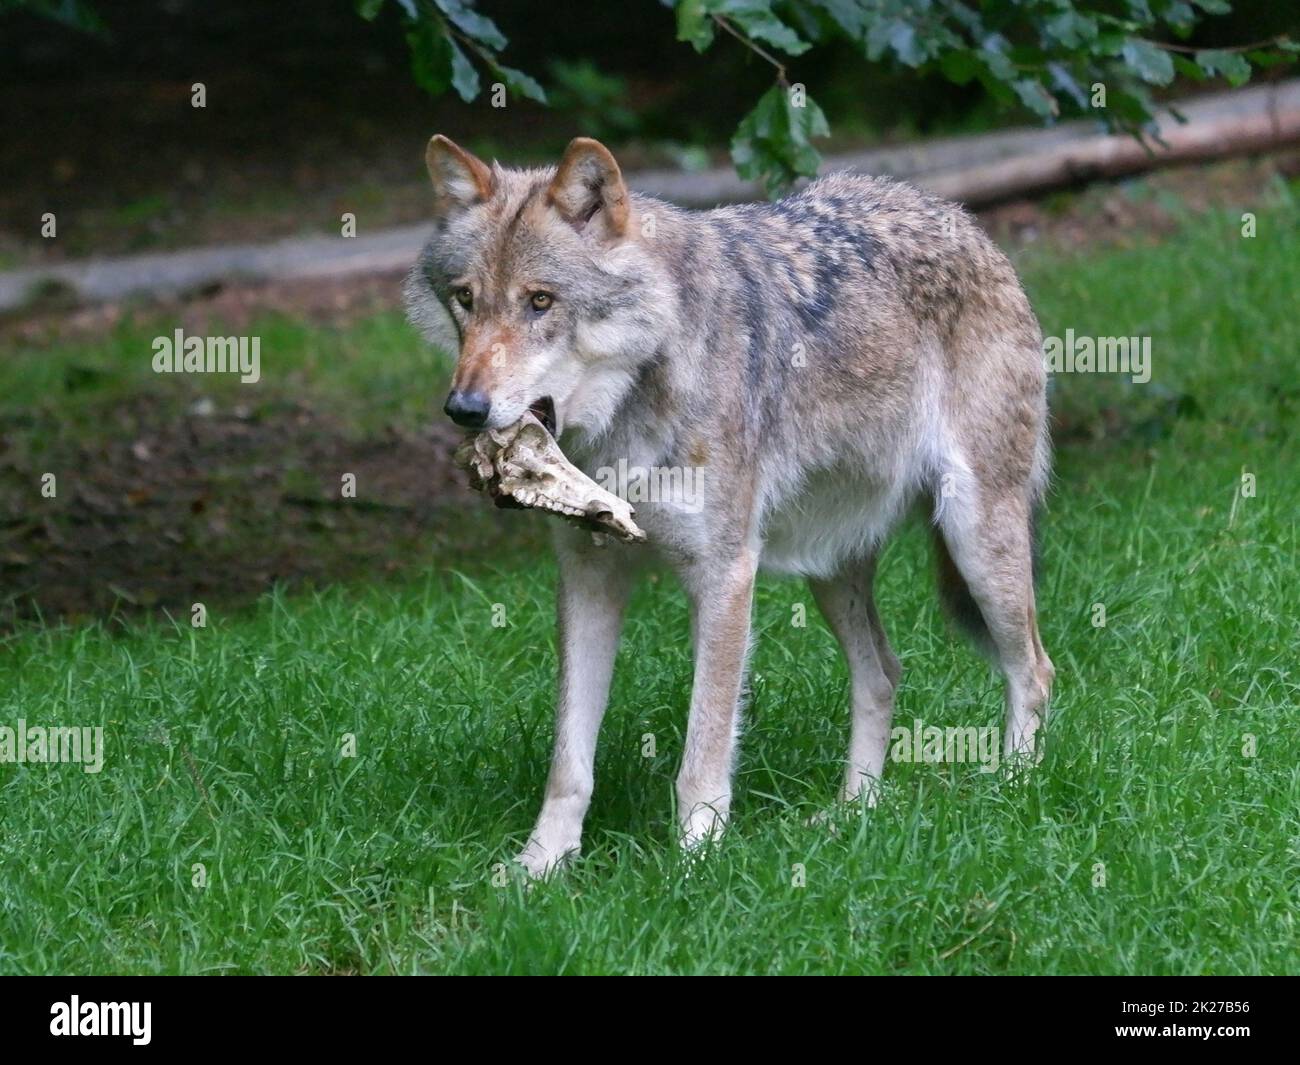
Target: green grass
1148,840
371,373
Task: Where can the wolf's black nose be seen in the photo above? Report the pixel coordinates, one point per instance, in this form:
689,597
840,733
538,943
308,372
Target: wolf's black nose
469,409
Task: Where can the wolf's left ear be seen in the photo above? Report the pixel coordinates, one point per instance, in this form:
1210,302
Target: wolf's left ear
459,179
588,188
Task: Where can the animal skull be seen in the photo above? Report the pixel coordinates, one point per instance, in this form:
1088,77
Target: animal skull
522,465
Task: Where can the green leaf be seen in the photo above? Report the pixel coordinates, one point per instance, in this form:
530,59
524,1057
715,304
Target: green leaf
1036,98
1111,43
1129,106
1065,82
997,64
1188,69
479,27
1071,28
1264,59
694,24
808,23
369,9
773,142
905,43
430,56
996,87
756,19
959,67
1230,65
1150,63
464,78
518,81
851,16
1179,15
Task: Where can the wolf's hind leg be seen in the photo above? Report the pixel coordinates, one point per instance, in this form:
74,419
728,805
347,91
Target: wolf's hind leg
990,541
847,603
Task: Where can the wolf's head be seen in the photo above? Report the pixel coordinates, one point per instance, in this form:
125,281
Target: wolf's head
548,279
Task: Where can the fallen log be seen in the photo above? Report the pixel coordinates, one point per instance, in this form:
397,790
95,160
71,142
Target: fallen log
1272,122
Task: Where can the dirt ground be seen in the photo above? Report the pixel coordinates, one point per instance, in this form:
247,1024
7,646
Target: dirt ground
218,505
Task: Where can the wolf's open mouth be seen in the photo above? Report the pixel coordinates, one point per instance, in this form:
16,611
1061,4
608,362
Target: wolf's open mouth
544,409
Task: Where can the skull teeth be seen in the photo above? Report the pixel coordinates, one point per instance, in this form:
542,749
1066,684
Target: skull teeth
553,505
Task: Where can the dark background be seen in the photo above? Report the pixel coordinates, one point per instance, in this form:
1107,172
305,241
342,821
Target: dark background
306,100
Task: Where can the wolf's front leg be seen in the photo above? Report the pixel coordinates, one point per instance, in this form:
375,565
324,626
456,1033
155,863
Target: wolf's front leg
722,592
593,590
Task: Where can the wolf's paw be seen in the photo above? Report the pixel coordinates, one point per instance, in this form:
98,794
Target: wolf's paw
541,861
1019,760
703,826
697,851
1023,746
1017,769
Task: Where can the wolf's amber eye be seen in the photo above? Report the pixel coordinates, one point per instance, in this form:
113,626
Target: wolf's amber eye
541,301
464,297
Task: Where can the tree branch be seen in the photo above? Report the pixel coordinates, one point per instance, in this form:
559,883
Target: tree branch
762,53
1189,50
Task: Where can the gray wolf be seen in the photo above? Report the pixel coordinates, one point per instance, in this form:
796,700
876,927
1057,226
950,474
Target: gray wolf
822,363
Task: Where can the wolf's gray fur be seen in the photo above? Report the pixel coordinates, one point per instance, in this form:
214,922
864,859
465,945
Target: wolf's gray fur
822,363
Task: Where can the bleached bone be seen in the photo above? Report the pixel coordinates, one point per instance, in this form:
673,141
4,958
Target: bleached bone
523,464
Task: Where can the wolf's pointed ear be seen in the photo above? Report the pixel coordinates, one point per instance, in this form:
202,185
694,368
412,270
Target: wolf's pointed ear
460,179
589,185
